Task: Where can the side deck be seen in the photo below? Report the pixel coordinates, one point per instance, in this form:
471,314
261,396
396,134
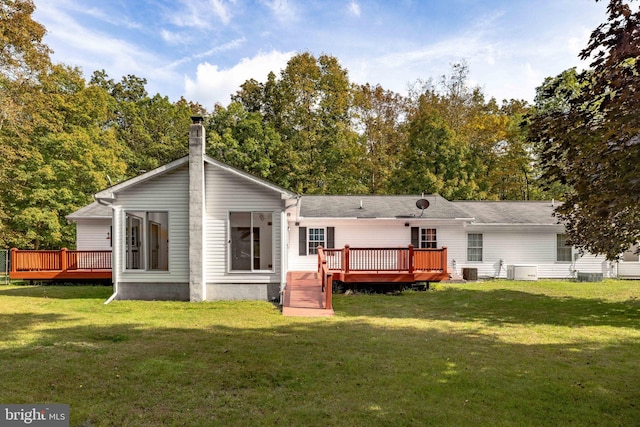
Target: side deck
309,293
60,265
385,265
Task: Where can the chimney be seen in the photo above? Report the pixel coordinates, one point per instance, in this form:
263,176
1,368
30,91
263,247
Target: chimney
197,144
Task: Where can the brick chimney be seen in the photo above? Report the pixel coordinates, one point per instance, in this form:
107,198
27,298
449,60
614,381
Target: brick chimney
197,144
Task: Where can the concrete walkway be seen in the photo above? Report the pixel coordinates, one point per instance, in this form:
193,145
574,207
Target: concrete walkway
303,296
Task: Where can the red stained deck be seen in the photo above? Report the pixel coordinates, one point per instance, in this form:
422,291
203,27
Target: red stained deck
304,295
60,265
309,293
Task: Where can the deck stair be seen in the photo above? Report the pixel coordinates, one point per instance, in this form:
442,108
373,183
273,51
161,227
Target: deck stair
303,295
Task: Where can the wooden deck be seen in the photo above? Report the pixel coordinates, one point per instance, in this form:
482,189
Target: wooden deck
385,265
60,265
304,295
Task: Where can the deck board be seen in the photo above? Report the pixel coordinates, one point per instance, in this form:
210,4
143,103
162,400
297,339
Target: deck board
303,296
61,275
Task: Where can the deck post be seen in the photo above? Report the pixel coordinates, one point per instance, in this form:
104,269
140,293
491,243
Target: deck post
328,303
14,257
63,259
443,260
345,259
320,259
411,255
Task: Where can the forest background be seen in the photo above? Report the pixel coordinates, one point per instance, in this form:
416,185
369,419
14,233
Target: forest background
308,129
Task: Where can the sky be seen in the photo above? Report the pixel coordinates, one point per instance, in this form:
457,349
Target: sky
204,50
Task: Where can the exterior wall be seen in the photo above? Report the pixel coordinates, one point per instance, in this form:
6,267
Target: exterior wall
168,193
513,245
629,270
93,234
371,233
225,193
534,245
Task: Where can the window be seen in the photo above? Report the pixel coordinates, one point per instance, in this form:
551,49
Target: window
631,255
428,238
146,241
563,252
474,247
311,238
316,238
251,242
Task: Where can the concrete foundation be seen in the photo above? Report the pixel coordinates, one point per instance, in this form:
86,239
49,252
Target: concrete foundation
153,291
243,291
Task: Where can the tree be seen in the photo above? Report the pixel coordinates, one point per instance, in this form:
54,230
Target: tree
309,106
481,153
153,129
241,139
592,142
379,117
71,154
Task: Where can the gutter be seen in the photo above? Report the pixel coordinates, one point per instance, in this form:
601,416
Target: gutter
115,283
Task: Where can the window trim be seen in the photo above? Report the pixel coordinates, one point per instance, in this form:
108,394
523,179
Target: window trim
229,254
564,261
308,239
303,238
481,248
143,237
631,252
420,241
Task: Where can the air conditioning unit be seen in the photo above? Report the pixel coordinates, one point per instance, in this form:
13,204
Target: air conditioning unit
522,272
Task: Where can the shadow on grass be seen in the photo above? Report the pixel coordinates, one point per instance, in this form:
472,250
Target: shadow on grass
493,307
324,372
58,292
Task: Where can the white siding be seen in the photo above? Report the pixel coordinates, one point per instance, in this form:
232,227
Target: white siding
370,233
93,234
513,245
525,245
227,192
629,270
168,192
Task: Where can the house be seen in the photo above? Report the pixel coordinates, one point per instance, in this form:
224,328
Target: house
488,236
197,229
194,229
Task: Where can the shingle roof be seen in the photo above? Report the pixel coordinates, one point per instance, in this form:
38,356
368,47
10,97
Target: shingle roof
93,210
388,206
378,207
509,212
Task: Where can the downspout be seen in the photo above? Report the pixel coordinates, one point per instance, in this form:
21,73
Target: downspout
284,224
113,246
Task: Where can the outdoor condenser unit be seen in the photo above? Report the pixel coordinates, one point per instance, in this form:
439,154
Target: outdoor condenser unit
522,272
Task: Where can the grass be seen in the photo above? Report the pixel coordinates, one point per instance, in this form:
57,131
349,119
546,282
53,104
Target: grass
488,354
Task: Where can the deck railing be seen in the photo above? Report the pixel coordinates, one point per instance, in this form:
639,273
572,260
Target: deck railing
326,277
407,259
63,260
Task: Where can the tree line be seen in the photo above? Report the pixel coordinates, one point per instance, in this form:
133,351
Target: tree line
308,129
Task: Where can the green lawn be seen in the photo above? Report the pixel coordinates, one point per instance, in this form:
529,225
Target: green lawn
483,354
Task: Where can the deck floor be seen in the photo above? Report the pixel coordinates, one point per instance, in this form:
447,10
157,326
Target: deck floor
303,296
61,275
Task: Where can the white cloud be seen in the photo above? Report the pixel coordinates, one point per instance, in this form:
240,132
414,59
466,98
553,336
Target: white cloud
354,8
221,10
198,13
283,10
214,85
171,37
233,44
93,50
